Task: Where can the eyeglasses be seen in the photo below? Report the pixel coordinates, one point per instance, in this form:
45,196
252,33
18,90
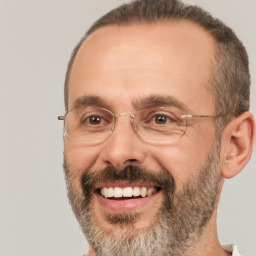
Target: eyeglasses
91,124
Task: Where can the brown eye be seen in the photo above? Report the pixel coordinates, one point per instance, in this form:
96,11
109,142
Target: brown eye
94,120
161,119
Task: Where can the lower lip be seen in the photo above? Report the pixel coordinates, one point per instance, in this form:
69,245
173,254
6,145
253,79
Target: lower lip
127,205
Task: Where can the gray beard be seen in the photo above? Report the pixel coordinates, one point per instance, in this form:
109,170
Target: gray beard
177,226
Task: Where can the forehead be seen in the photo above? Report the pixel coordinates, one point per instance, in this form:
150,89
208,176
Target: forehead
167,59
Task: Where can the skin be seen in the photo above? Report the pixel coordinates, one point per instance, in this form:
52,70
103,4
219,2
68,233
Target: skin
122,65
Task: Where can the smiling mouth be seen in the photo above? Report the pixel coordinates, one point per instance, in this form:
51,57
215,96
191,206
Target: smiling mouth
127,192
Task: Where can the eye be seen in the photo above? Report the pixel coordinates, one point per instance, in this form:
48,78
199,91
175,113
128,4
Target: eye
94,120
89,120
161,119
158,117
92,117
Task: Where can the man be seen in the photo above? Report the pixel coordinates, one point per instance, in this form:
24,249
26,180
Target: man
157,100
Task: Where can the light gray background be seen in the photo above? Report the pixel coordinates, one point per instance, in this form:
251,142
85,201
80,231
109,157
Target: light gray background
36,39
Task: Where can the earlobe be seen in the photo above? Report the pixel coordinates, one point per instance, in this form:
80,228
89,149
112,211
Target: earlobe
237,144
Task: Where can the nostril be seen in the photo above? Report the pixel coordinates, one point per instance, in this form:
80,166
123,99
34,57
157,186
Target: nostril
130,161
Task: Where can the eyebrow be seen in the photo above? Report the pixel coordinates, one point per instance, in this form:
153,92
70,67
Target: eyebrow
159,101
89,100
138,104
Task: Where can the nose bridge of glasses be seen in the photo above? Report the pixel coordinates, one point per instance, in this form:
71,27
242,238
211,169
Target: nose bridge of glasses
120,115
125,114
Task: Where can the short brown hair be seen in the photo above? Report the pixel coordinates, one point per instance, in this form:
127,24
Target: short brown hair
230,82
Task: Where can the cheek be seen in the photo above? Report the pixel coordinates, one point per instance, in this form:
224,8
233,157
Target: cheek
185,159
178,162
80,158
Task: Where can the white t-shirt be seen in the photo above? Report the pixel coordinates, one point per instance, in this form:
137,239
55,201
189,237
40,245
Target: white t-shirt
231,248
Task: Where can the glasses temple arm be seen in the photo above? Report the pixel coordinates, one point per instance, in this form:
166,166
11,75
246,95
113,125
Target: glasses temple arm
191,116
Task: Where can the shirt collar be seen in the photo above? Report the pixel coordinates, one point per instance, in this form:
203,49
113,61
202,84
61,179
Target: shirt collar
231,248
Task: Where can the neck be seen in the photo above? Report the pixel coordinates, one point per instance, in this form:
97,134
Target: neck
208,244
91,252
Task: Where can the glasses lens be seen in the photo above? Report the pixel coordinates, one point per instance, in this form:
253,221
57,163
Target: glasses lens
90,124
163,125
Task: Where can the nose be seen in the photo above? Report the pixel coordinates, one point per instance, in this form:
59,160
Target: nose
123,147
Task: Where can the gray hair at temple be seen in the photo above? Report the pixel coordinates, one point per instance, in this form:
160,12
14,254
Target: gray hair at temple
230,81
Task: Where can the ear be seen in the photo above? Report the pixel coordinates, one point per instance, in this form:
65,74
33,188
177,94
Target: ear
237,144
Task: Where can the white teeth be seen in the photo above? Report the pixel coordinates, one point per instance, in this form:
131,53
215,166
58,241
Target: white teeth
150,191
109,192
127,192
118,192
136,191
143,192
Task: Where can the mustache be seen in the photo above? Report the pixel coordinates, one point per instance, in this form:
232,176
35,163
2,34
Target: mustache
132,174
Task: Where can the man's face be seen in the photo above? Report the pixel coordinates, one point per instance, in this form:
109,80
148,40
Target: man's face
129,68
